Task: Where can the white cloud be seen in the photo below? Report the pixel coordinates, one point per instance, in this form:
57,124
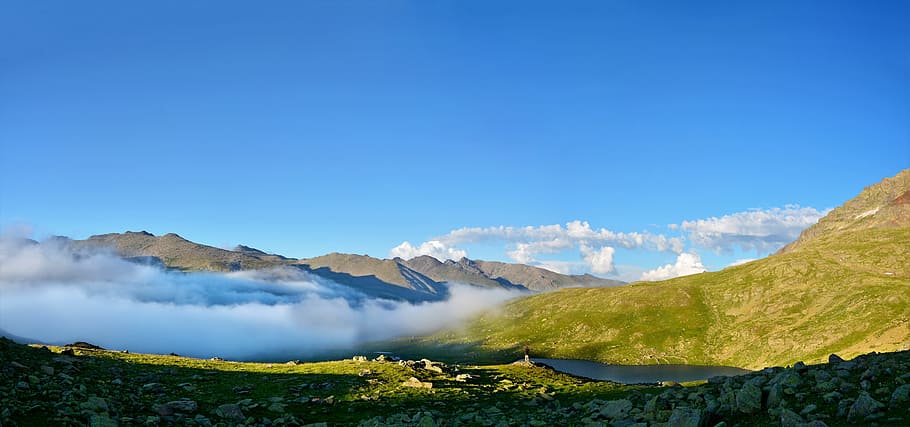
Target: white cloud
433,248
740,262
600,260
759,230
577,232
686,264
525,252
763,231
597,246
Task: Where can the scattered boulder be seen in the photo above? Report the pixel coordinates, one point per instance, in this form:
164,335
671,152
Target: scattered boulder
789,418
616,409
230,411
687,417
901,395
101,420
360,358
463,377
864,406
95,404
748,398
184,405
416,383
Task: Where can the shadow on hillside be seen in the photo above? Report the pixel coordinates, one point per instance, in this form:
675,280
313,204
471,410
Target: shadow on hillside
374,287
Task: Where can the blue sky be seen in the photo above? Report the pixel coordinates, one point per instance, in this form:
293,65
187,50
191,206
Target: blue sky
310,127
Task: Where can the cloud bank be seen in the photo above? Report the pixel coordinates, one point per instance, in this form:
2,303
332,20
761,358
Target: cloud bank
760,230
54,294
597,246
686,264
433,248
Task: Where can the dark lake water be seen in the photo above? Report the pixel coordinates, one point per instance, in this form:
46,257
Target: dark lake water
633,374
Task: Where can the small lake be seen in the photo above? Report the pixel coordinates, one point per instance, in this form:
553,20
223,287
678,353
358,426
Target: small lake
634,374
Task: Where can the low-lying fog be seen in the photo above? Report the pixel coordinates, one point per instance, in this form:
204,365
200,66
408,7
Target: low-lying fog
50,293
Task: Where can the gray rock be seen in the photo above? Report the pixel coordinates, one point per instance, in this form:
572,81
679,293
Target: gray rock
748,398
816,423
825,386
900,395
789,418
47,370
152,387
686,417
230,411
101,420
832,397
788,378
414,382
277,407
864,406
810,408
616,409
164,410
95,404
834,359
184,405
775,395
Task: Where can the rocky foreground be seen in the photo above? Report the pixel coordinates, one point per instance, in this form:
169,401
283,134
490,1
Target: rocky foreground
82,385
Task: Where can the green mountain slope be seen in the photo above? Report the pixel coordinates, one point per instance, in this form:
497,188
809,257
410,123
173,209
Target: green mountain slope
845,290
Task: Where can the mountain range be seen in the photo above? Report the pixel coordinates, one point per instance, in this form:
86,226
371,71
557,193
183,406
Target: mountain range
842,287
418,279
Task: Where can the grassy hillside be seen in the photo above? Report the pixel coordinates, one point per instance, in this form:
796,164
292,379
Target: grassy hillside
845,291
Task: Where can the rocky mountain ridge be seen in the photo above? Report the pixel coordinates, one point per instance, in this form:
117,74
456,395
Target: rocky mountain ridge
418,279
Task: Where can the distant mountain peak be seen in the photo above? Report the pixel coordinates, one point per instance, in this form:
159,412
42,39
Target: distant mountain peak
420,278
